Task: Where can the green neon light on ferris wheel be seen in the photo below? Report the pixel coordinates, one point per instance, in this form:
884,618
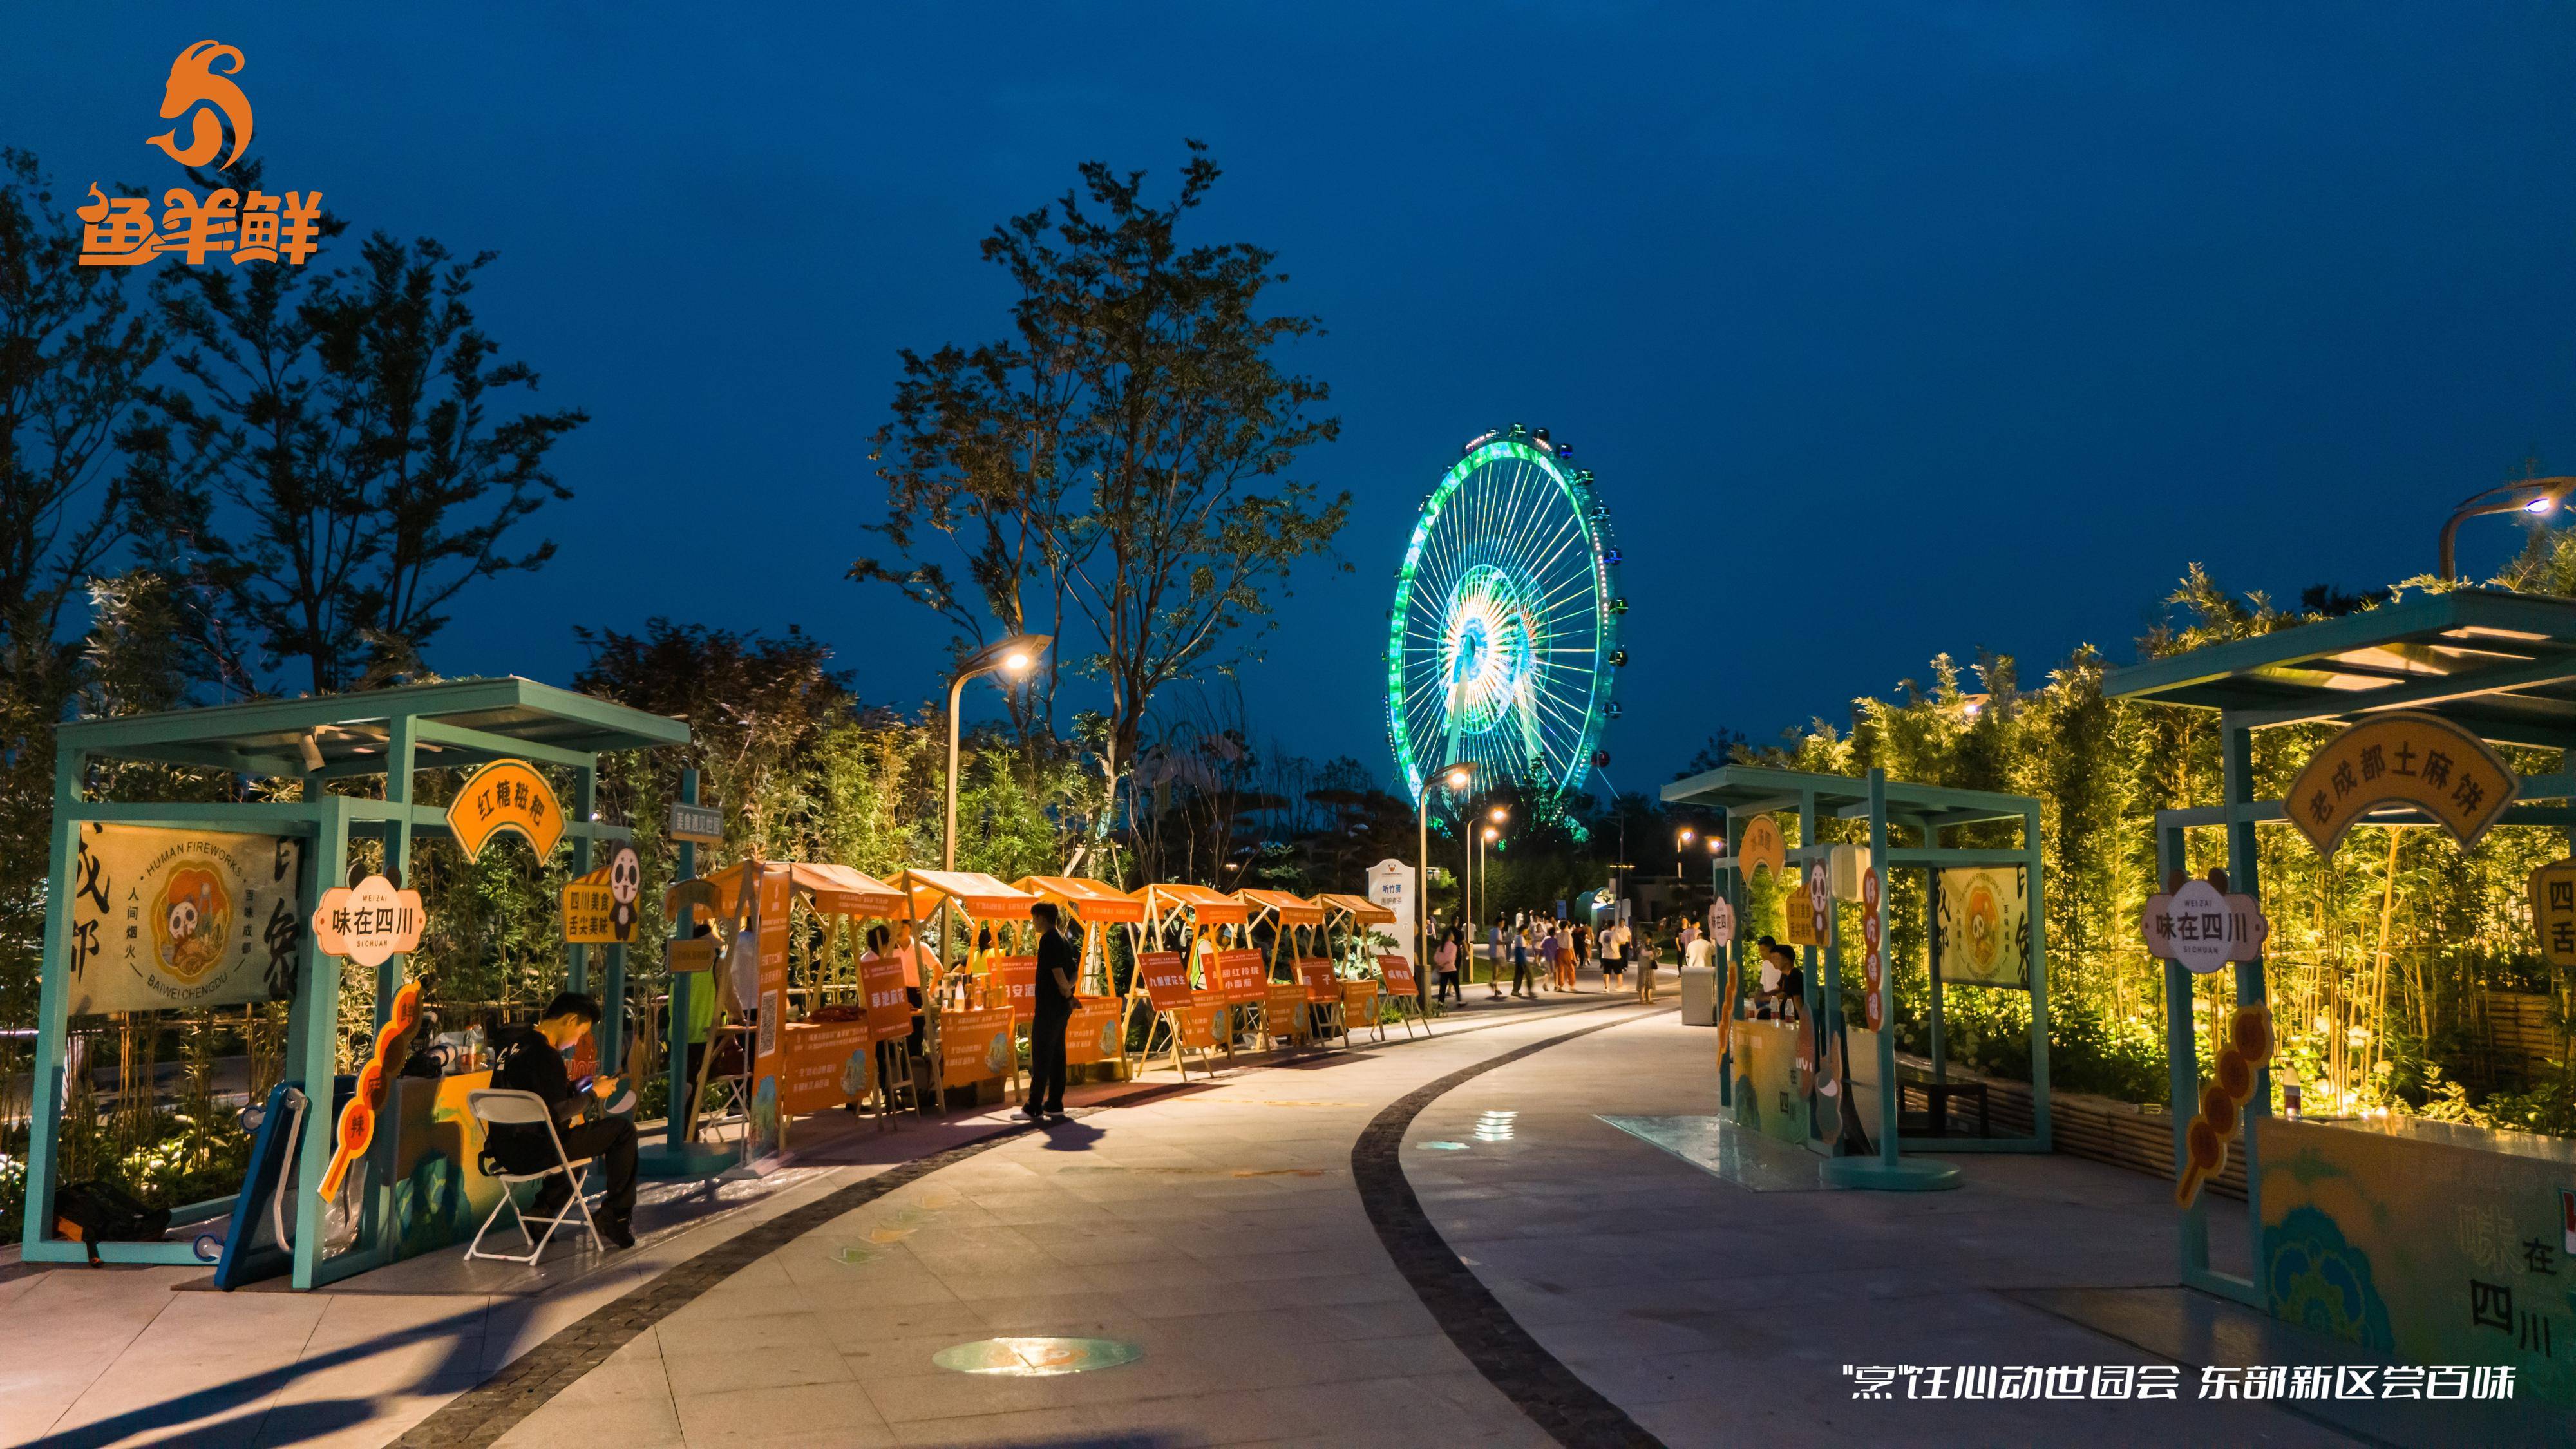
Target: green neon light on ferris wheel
1502,640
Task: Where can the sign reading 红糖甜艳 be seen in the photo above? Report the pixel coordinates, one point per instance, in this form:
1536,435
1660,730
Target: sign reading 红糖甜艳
2553,911
117,231
2402,757
181,918
505,795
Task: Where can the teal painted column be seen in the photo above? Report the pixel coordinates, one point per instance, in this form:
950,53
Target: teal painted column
316,1041
381,1224
1810,991
1889,1108
2038,979
683,985
2182,1068
585,798
45,1100
2244,877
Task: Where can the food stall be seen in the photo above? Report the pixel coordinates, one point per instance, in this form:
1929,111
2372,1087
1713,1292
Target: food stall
1350,924
1097,1032
973,1033
1228,984
1831,1049
159,904
1301,1001
2438,1242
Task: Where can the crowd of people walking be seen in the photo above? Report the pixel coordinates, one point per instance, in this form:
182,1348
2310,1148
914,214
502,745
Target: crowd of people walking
1545,955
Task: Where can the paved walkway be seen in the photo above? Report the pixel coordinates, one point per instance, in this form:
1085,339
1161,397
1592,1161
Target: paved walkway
1221,1230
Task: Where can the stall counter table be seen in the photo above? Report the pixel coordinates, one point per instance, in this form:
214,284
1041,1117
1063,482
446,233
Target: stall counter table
2437,1242
1770,1092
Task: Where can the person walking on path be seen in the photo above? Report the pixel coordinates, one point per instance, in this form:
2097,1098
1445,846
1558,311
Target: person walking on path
1445,961
1614,964
1646,964
1057,966
1520,962
1497,938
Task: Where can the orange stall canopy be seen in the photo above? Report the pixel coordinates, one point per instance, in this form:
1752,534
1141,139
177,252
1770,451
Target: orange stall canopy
835,890
1092,902
1291,910
1361,910
980,896
1207,907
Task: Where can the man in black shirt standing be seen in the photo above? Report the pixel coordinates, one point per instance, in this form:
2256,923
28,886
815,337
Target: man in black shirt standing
532,1061
1057,964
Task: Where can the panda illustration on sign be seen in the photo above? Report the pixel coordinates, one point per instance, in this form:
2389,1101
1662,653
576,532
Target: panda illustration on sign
625,887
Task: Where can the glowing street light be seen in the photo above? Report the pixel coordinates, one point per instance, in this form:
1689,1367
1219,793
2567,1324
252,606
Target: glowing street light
1456,778
2536,497
1014,657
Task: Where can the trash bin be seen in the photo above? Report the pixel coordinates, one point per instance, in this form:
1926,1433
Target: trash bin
1699,996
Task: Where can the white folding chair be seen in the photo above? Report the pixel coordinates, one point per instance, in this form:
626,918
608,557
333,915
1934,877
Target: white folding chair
494,1108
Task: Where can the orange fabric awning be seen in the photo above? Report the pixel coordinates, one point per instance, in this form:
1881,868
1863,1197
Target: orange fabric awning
1091,901
1292,910
980,896
841,891
1361,910
1207,907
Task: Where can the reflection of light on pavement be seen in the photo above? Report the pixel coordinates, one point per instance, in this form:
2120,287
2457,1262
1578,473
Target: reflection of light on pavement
1495,1126
1442,1146
1037,1357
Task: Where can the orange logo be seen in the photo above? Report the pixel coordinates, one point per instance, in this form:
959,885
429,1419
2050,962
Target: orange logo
117,231
193,83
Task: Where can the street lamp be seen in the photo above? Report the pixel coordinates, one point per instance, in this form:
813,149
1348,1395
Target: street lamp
2535,496
1484,882
1455,777
1682,842
1014,656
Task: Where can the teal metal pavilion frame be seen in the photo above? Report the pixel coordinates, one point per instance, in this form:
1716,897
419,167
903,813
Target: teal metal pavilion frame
1744,791
2500,665
393,733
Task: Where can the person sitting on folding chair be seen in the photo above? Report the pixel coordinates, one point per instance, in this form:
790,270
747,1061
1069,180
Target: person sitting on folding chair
532,1060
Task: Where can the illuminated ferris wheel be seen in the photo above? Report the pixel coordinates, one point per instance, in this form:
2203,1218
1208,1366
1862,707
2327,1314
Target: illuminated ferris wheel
1504,635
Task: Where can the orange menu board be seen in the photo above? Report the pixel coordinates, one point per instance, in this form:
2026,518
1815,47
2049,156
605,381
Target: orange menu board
1197,1025
1091,1033
1285,1010
889,1012
824,1065
975,1046
1238,976
1316,975
1019,978
1359,1003
1398,973
1166,978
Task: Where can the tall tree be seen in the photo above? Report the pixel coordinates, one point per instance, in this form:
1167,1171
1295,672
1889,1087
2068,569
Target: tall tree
1123,462
339,457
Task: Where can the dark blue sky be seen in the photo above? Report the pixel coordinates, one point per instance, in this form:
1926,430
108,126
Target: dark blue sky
1889,329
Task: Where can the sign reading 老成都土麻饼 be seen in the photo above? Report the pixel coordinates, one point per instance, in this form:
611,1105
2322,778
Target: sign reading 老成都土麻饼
2405,758
1984,925
257,226
2553,911
505,795
181,918
600,908
1762,847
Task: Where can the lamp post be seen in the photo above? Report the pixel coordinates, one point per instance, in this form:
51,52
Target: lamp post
1455,777
1681,842
2535,496
1014,656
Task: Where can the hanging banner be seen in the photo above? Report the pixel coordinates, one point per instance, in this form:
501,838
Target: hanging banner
599,909
1983,917
975,1046
1237,976
505,795
824,1065
182,918
1762,847
1721,923
889,1010
370,923
2198,924
1019,978
1873,1002
2407,758
2553,912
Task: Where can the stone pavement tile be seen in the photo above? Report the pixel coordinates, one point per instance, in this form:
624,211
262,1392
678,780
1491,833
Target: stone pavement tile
1102,1246
837,1415
634,1423
1083,1314
863,1321
1092,1428
1322,1363
898,1356
1323,1263
718,1371
686,1335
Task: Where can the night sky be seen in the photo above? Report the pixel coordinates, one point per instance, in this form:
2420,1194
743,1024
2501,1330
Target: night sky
1889,329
